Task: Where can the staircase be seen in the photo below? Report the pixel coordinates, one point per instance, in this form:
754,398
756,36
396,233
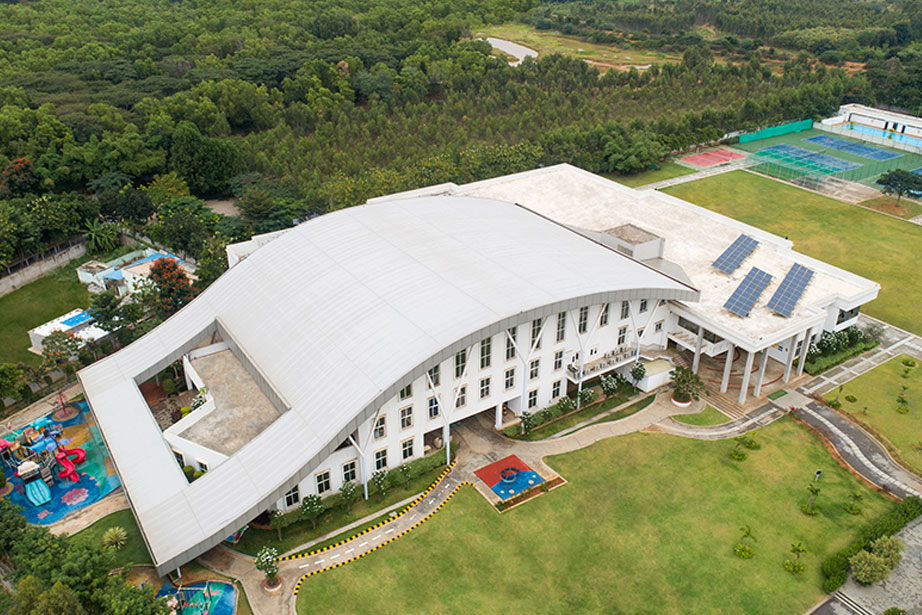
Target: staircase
850,604
726,403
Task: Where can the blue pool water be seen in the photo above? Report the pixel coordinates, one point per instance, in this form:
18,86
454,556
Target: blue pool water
859,149
522,482
77,319
885,134
213,598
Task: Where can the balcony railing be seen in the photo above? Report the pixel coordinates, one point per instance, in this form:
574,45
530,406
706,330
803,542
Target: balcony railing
610,360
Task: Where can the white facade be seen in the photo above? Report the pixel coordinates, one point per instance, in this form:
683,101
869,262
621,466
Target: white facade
76,322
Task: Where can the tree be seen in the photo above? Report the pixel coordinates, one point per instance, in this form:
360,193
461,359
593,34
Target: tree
100,236
814,491
204,163
277,521
900,182
184,224
609,385
868,568
172,284
212,262
379,480
638,371
348,493
890,549
311,508
31,598
166,187
126,203
795,566
406,473
267,562
743,548
12,524
114,538
60,350
106,310
687,384
10,376
121,598
854,503
18,177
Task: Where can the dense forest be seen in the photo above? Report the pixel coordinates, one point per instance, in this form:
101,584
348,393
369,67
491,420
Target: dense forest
128,112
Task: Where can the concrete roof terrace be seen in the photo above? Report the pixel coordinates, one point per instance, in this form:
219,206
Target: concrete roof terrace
694,236
242,411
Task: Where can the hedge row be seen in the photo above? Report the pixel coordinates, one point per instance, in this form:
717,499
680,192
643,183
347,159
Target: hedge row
836,566
821,364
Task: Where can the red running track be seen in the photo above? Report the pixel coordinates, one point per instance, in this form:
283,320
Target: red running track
712,157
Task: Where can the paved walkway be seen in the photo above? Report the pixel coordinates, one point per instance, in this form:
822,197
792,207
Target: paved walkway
726,167
89,515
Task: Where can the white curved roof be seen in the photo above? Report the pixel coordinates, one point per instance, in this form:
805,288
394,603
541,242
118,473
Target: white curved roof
337,315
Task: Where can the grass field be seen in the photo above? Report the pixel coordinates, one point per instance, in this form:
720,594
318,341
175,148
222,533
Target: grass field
586,413
134,551
667,170
646,524
548,41
30,306
875,404
869,170
905,208
709,416
863,242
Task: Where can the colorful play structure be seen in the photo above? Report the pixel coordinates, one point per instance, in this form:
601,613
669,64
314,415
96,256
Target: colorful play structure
33,452
208,598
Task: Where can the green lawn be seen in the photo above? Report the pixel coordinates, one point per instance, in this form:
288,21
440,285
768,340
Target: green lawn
134,551
875,404
667,170
32,305
646,524
587,412
864,242
634,408
709,416
302,531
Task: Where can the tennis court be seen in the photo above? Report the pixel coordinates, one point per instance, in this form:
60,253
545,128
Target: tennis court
712,157
814,162
859,149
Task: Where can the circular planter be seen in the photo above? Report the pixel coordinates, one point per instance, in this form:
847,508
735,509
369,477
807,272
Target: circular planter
272,588
681,404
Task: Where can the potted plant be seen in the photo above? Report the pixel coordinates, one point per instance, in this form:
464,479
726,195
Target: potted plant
687,386
267,562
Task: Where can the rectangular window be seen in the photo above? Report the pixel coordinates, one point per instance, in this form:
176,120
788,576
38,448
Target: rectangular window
485,349
406,449
583,319
639,333
381,459
561,326
603,317
380,428
622,336
179,458
558,360
625,309
292,497
510,378
484,388
658,327
202,466
533,369
462,397
532,399
433,407
323,482
406,417
434,374
460,363
406,391
510,343
536,333
349,471
643,306
555,389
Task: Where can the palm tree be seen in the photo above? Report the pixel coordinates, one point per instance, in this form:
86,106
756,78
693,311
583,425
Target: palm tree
747,534
814,491
797,549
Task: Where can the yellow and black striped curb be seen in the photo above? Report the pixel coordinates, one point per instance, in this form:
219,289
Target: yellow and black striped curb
419,499
386,542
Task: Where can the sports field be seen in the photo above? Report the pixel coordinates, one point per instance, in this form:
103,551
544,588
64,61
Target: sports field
858,161
646,524
878,247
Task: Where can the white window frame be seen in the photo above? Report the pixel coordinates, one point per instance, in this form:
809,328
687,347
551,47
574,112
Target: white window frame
556,388
460,362
558,360
406,417
320,478
380,425
486,351
536,333
380,454
433,403
561,326
509,378
485,387
658,327
292,497
403,449
583,319
352,470
622,336
435,374
625,309
510,343
532,399
603,317
406,392
461,400
534,368
643,306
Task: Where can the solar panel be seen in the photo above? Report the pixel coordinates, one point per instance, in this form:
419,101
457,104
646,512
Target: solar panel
746,294
733,256
792,287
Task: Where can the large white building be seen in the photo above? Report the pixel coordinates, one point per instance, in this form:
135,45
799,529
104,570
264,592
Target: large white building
351,342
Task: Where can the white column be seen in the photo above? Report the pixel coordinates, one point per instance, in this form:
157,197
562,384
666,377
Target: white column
446,437
790,359
698,343
498,422
760,378
725,381
803,353
744,386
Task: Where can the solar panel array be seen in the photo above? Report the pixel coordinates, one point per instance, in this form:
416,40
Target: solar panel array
790,290
733,256
748,291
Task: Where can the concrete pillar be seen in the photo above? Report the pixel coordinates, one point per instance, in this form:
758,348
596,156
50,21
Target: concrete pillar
498,421
744,386
790,359
446,437
725,381
803,353
698,343
761,376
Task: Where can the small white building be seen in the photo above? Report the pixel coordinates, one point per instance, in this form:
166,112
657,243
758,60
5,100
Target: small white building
351,343
77,322
125,272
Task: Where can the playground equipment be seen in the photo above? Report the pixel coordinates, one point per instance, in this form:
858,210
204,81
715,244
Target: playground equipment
37,491
63,456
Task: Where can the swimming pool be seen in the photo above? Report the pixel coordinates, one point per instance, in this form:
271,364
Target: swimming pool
885,134
211,597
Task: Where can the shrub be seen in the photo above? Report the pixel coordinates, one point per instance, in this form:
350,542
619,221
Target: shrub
311,508
890,549
114,538
609,385
169,386
738,454
380,481
794,566
188,471
566,404
743,551
586,396
868,568
909,363
750,442
834,403
197,474
851,399
176,415
185,410
895,610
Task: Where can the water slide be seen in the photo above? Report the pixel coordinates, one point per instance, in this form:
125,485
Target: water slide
38,493
63,456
